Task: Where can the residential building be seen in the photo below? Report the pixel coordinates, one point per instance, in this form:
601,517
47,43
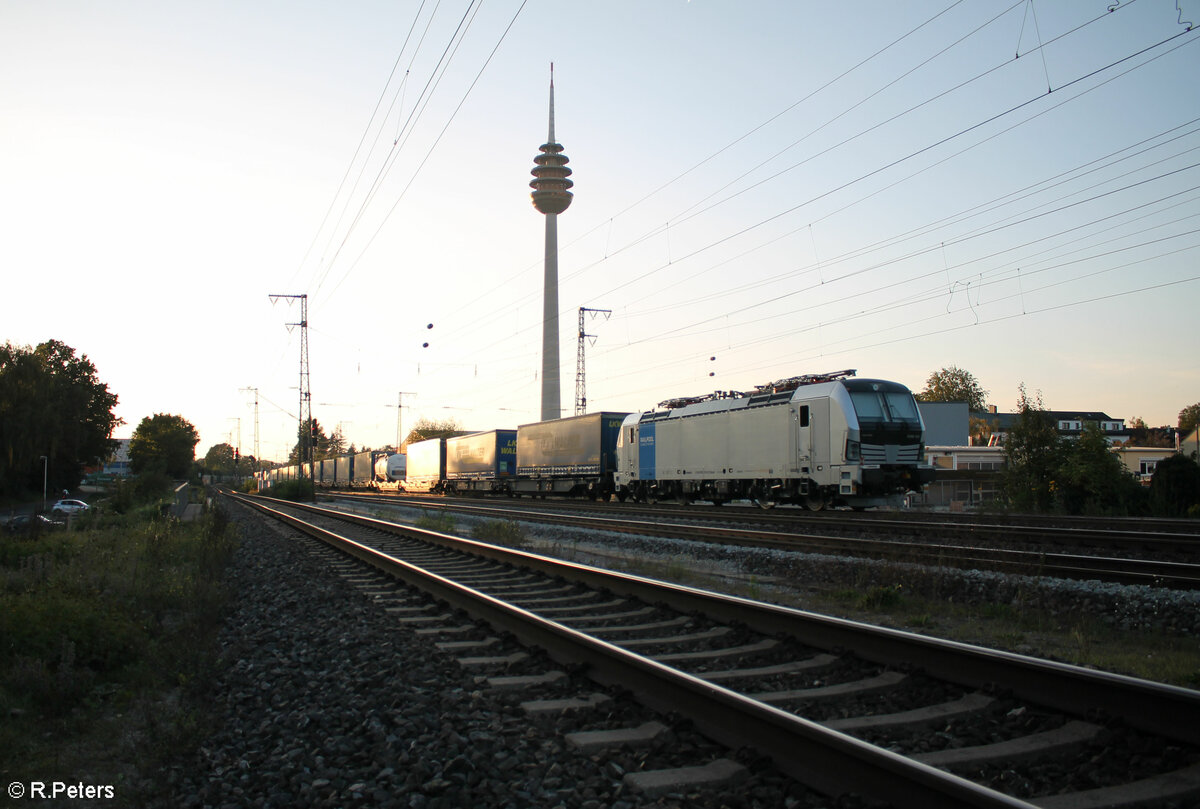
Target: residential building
1142,461
1070,424
118,464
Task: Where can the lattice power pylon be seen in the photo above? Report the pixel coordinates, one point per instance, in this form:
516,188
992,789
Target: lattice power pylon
580,371
257,457
304,433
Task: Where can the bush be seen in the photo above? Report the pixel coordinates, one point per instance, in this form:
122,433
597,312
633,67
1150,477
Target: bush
441,522
298,491
500,532
123,605
144,489
1175,487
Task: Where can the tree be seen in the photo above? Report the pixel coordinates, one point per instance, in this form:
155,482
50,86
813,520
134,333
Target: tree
52,405
1031,452
953,384
219,460
981,430
428,428
336,444
1142,436
1175,486
163,443
1091,479
322,445
1189,418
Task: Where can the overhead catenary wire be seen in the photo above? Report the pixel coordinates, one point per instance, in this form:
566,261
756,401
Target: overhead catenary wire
676,260
433,146
708,246
419,107
684,275
358,148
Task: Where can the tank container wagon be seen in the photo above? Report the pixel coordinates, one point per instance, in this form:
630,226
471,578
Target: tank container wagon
818,440
484,462
389,471
426,466
574,456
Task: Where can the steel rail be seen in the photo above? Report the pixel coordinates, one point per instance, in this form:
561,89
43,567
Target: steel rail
824,759
1160,534
1181,575
1157,708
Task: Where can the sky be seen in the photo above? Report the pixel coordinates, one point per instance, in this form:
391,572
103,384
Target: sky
761,190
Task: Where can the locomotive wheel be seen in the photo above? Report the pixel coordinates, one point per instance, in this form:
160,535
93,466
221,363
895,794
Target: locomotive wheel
764,503
814,502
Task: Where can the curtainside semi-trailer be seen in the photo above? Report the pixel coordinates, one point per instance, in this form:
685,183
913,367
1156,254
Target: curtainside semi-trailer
575,456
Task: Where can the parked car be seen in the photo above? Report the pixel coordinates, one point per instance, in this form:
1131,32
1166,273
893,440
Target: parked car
26,523
69,507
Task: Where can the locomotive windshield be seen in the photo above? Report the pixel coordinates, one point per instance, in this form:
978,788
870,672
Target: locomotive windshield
887,412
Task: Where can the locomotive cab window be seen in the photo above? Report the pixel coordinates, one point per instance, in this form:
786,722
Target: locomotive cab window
887,412
803,415
885,406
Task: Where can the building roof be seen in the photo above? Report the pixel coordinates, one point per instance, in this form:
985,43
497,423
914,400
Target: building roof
1006,420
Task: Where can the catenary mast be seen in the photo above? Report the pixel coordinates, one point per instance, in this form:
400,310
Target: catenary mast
551,196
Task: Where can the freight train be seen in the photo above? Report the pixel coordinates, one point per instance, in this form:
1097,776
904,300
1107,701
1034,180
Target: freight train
815,441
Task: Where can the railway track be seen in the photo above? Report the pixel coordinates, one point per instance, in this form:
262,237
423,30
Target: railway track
1178,570
843,707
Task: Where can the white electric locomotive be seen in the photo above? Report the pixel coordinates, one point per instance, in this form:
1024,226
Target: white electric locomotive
818,440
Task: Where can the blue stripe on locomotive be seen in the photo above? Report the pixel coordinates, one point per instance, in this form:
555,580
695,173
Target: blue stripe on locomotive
646,462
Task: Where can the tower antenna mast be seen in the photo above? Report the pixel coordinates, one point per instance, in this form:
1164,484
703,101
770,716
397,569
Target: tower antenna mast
551,196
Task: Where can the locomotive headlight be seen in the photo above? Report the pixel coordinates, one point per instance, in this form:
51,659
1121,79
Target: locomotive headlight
853,450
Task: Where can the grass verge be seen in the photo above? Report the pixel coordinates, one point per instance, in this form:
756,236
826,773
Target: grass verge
102,631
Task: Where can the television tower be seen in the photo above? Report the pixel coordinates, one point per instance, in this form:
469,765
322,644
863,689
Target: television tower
551,196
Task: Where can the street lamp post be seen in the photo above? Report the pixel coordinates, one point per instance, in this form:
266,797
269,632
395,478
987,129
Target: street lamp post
45,477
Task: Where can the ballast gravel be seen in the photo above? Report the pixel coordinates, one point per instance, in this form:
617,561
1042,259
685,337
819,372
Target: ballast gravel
322,700
1137,608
